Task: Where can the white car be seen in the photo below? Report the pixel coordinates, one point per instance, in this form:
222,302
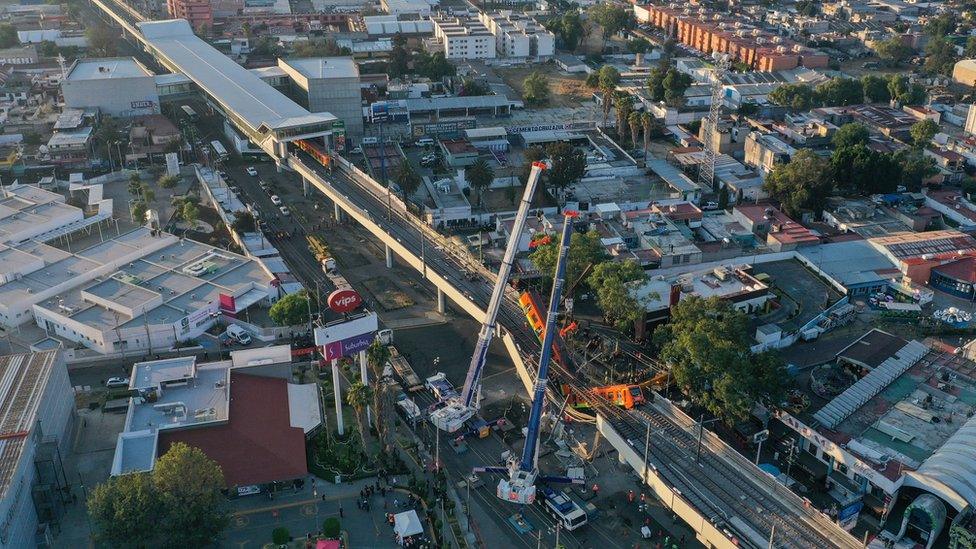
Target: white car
284,210
251,171
117,382
276,200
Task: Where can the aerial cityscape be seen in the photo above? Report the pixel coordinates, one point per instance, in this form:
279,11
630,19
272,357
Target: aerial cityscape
567,274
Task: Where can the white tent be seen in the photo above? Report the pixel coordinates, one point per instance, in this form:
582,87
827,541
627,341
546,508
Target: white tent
407,524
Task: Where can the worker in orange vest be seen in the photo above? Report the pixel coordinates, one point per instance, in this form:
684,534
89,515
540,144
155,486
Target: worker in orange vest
596,489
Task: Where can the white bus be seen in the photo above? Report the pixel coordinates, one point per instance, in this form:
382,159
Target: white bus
218,149
558,505
190,113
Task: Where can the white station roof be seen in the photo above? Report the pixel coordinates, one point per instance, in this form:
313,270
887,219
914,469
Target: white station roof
237,89
950,472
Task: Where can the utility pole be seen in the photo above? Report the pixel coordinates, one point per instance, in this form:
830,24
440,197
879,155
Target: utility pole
647,447
771,534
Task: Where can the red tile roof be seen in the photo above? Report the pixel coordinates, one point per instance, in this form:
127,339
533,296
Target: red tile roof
963,270
258,443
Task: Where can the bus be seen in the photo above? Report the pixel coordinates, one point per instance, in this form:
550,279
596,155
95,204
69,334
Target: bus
190,113
218,149
560,507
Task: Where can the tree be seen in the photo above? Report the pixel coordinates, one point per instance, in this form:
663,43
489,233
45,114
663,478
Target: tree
860,170
839,92
319,48
747,108
923,131
624,104
567,165
190,214
593,80
399,57
905,92
634,121
706,344
675,84
168,181
188,484
108,133
291,310
358,396
611,18
535,88
570,30
532,154
377,355
584,249
892,51
940,56
638,45
611,280
46,48
851,134
875,88
916,167
470,88
480,176
280,536
941,25
969,51
647,123
407,179
801,184
434,66
655,84
331,528
723,197
607,104
8,36
244,222
120,509
798,97
102,41
609,77
139,210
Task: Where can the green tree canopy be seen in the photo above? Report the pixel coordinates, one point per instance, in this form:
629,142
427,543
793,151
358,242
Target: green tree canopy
358,396
609,77
706,344
612,280
407,179
567,165
168,181
859,170
904,91
585,249
839,91
804,183
923,131
851,134
798,97
399,63
244,222
102,41
121,507
638,45
480,175
535,88
915,168
291,310
940,56
893,52
8,36
569,28
319,48
612,18
875,88
434,66
331,528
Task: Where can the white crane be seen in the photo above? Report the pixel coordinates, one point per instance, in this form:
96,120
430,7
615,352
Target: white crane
457,410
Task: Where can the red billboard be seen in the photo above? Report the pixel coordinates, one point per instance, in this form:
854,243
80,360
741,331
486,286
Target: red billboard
344,301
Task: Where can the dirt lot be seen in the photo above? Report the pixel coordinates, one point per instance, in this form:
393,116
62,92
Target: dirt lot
565,90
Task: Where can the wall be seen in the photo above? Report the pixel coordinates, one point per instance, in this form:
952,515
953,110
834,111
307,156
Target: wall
114,96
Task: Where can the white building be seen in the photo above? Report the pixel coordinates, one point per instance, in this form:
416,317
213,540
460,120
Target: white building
328,84
464,38
38,406
517,35
118,86
970,126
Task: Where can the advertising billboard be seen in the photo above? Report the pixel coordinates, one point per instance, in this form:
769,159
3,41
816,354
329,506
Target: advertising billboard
346,338
344,301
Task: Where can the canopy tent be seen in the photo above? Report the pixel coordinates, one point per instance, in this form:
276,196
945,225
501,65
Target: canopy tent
407,524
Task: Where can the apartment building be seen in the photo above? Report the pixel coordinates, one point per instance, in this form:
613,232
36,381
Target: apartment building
710,32
197,12
464,38
517,35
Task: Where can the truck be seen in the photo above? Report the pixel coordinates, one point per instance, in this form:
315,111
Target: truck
218,149
559,506
190,113
409,408
441,387
321,251
403,369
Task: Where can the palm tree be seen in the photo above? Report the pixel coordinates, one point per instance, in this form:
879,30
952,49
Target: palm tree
480,175
607,104
646,121
377,356
358,396
634,121
623,103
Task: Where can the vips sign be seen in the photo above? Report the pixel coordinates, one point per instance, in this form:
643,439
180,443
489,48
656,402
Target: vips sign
344,301
347,337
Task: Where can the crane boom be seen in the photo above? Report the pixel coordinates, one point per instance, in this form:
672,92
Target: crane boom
451,417
523,470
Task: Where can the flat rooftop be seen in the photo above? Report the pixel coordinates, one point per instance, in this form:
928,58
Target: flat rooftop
722,282
106,68
238,90
323,67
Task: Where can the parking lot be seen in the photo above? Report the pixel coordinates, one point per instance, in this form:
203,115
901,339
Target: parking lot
801,292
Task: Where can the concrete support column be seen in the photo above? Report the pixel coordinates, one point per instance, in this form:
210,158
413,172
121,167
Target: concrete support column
337,212
338,396
364,375
304,186
441,302
389,257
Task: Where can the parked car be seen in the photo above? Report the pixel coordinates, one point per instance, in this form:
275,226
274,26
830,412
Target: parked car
238,334
251,171
356,150
276,200
117,382
284,210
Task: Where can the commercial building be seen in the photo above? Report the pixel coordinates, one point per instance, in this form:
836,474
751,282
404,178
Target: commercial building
150,136
464,38
244,413
518,35
957,278
196,12
916,254
328,84
36,411
954,206
71,148
733,284
117,86
781,233
458,153
28,212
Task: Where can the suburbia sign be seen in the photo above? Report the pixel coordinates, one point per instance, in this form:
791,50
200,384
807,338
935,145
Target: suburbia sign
347,347
344,301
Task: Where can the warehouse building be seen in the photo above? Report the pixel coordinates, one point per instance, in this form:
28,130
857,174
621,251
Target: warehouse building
117,86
